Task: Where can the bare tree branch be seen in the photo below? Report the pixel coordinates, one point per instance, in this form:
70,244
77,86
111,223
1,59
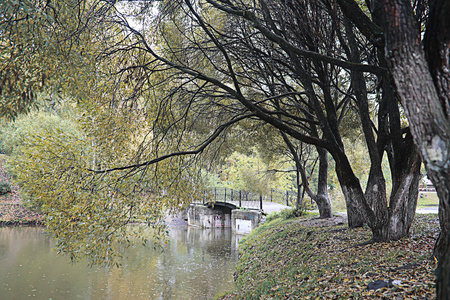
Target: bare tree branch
233,10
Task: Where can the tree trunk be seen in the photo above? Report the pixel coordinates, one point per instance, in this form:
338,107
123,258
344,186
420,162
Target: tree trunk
403,202
442,242
405,187
375,194
299,202
376,198
442,249
437,47
300,196
391,222
443,277
425,99
321,199
355,217
358,210
386,224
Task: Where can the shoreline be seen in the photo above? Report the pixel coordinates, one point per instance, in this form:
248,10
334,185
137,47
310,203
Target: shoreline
16,214
12,210
21,224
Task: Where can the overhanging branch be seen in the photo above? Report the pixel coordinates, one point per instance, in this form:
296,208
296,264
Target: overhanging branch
200,149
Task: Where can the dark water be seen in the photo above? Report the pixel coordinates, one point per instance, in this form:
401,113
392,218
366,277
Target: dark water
196,264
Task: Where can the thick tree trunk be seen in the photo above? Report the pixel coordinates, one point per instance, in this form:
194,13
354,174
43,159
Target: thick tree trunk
386,223
437,47
355,217
443,277
425,99
391,222
442,249
405,187
442,242
403,202
321,199
358,210
375,193
376,197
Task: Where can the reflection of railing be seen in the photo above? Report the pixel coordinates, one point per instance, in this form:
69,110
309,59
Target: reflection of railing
246,199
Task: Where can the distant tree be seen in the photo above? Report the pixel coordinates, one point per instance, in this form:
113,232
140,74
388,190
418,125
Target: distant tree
303,182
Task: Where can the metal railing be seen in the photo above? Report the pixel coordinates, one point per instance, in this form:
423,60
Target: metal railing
246,199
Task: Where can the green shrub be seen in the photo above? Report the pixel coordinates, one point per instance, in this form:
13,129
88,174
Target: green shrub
285,214
272,217
5,188
290,213
14,136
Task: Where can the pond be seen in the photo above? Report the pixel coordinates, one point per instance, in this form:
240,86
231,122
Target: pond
196,264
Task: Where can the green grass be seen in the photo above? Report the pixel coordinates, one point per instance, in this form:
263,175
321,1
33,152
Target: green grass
427,199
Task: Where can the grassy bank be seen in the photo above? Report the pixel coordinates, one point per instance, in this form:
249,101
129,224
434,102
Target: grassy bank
310,258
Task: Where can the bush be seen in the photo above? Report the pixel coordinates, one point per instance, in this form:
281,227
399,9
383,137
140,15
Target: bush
5,188
14,136
291,213
285,214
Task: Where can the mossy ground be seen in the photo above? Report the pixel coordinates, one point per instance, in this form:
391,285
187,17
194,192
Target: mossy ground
319,259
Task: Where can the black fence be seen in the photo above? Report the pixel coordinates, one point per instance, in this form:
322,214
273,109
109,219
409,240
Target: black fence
248,199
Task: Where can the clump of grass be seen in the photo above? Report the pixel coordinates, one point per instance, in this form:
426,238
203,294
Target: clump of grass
287,214
5,188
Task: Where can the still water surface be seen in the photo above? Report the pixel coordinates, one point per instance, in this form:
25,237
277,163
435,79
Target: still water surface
196,264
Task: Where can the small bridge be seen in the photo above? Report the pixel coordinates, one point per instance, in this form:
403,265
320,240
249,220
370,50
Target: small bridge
224,208
240,210
224,215
249,205
229,205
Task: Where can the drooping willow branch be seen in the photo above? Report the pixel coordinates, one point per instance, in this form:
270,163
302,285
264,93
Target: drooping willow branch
200,149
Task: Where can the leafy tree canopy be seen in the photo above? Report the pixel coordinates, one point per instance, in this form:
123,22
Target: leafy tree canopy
158,82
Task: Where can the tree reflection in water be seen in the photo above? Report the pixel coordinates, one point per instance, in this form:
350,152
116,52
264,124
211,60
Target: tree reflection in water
196,264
